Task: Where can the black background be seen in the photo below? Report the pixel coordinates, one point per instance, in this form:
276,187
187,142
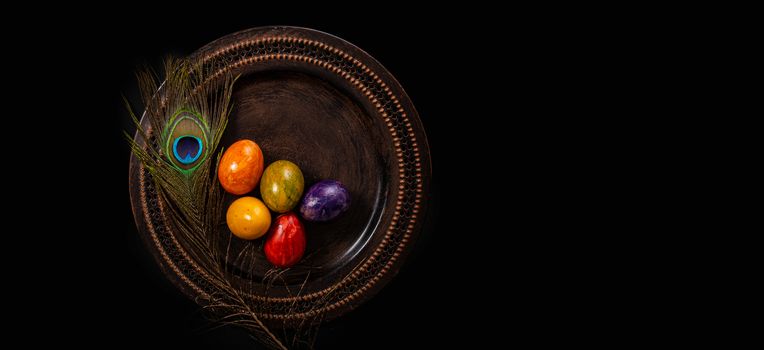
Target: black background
533,118
474,274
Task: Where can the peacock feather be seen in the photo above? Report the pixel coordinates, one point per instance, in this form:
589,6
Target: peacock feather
187,115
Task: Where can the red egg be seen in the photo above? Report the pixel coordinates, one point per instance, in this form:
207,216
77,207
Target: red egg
285,244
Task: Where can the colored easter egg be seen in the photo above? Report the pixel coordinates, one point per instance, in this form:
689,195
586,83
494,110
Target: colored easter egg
241,167
248,218
285,244
325,200
281,186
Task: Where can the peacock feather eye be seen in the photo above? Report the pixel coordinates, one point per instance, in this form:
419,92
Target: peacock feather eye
187,149
186,139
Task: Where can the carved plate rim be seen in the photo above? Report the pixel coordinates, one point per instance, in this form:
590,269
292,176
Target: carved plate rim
410,148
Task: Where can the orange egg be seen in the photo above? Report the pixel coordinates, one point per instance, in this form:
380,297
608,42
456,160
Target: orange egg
241,167
248,218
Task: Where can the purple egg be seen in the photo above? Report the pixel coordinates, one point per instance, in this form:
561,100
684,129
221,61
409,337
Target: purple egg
325,200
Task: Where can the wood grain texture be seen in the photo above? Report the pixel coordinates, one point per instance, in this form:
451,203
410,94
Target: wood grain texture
325,105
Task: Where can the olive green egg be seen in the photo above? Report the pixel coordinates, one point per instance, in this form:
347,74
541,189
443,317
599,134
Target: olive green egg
281,186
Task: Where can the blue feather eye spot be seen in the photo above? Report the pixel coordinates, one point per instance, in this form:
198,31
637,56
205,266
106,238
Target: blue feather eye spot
186,141
187,148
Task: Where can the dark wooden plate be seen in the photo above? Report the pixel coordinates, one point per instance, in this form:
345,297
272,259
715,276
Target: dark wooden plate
324,104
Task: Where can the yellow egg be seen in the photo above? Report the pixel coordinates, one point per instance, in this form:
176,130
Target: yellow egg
248,218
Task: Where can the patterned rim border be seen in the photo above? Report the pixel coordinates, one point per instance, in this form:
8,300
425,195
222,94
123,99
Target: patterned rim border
409,198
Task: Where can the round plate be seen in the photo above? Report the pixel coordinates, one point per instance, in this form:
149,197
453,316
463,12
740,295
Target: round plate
327,106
